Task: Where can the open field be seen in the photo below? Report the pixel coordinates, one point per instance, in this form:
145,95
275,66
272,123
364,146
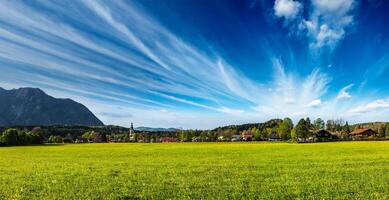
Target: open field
343,170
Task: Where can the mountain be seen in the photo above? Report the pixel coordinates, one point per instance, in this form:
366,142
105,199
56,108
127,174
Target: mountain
32,106
149,129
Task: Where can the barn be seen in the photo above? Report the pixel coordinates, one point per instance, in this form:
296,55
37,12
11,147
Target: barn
322,136
363,133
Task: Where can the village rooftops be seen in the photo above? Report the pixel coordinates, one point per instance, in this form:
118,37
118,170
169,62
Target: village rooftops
363,131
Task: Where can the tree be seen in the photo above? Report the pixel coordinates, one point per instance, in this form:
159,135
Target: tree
55,139
387,130
330,125
346,131
189,135
318,124
203,136
182,136
338,124
381,130
88,135
284,129
136,137
293,134
97,137
257,135
302,129
38,131
265,133
34,137
9,137
308,123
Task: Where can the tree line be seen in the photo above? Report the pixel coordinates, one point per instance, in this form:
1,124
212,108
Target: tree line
13,137
275,129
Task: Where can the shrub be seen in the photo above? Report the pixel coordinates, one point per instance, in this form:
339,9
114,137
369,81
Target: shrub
55,139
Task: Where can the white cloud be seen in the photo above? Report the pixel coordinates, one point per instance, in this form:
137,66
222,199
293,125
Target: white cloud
326,23
377,104
293,95
288,9
343,93
290,100
232,111
157,72
339,7
314,103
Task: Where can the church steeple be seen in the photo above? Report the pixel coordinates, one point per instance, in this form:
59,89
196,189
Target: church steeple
131,134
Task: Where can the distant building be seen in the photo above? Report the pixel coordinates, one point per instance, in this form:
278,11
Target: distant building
322,136
169,139
221,138
196,139
80,139
97,137
274,137
363,133
247,136
235,138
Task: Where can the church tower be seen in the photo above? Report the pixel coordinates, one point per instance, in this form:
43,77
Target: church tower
131,135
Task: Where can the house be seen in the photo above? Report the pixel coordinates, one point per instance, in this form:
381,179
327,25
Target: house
247,136
80,139
322,136
68,139
235,138
363,133
274,137
169,139
97,137
221,138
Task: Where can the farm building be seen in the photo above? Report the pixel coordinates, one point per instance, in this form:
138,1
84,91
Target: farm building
274,137
322,136
169,139
247,136
363,133
221,138
235,138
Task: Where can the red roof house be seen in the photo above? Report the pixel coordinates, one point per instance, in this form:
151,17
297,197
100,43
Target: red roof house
363,132
169,139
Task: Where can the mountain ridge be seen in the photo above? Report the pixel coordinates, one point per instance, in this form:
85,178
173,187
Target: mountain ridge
32,106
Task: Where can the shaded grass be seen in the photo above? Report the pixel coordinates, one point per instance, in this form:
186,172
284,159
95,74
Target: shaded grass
342,170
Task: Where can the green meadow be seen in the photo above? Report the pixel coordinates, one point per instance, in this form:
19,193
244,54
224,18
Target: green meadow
338,170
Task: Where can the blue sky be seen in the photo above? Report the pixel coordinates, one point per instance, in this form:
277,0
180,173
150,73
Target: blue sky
202,64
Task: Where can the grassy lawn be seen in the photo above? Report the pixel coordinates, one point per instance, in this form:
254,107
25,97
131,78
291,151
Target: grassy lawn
343,170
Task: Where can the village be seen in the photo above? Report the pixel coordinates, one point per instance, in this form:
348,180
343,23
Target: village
273,130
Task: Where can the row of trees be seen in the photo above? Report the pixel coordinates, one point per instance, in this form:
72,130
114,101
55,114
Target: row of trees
272,129
11,137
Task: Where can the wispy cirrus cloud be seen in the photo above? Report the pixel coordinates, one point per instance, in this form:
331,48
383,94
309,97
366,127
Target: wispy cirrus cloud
122,63
343,93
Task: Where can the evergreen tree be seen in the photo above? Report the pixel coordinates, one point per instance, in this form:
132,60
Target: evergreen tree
346,131
285,128
302,129
293,134
330,125
381,130
387,130
318,124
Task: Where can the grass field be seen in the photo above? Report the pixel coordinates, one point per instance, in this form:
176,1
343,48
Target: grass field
344,170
